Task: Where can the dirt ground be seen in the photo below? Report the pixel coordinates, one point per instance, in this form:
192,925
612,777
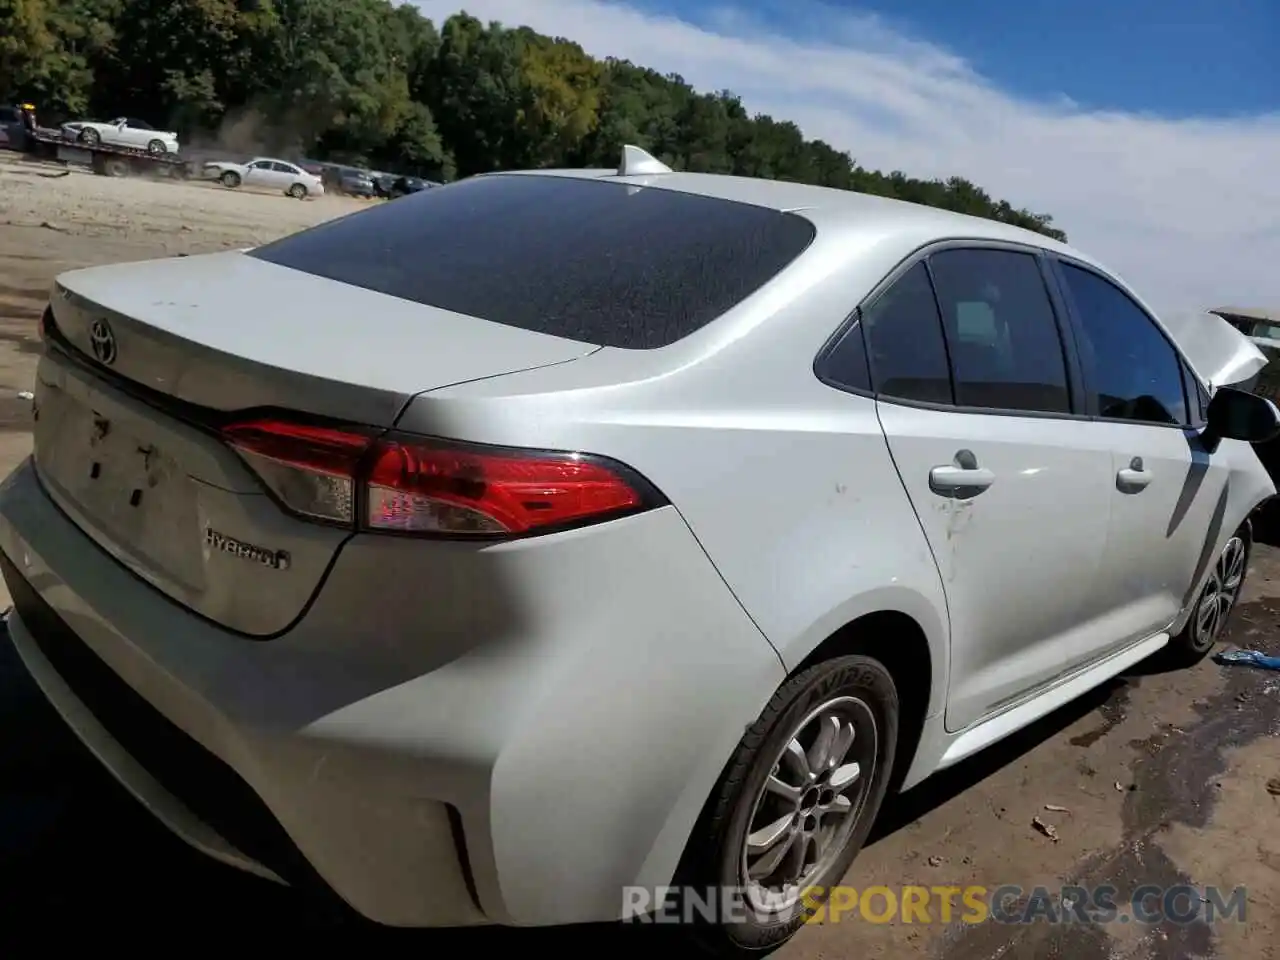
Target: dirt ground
51,221
1160,778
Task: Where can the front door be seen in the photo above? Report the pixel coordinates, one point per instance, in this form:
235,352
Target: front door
258,174
1010,486
1169,490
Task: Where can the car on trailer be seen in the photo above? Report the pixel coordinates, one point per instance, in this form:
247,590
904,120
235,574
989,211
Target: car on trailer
122,132
68,145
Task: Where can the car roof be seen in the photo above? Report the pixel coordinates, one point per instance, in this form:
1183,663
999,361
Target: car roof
865,217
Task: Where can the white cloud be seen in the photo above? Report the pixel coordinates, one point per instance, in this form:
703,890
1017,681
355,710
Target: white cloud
1184,209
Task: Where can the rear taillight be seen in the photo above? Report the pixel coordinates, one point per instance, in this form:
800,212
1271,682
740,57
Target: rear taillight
425,486
312,470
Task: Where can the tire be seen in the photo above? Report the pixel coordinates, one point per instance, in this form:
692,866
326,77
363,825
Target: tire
230,179
157,148
854,695
298,192
116,167
1217,600
90,137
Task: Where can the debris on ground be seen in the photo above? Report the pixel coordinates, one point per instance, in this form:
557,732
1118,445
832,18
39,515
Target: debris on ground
1273,786
26,395
1048,829
1054,808
935,861
1247,658
1119,787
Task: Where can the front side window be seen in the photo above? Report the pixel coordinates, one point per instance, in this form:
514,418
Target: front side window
908,357
1006,352
1133,370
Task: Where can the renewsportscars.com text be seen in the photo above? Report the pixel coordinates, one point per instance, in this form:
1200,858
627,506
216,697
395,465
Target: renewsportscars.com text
1009,903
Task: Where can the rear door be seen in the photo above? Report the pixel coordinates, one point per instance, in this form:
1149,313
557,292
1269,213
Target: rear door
282,175
1168,487
978,398
138,133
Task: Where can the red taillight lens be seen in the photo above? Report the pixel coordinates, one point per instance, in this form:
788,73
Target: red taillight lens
420,486
425,487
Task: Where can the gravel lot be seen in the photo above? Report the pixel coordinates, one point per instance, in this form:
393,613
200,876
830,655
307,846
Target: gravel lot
51,221
1157,778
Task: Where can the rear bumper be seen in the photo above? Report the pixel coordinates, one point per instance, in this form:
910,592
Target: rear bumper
525,779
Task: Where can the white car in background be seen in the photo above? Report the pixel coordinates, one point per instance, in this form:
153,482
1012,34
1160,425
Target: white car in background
122,132
266,173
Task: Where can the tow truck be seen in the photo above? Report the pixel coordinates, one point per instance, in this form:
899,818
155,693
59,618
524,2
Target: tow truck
108,160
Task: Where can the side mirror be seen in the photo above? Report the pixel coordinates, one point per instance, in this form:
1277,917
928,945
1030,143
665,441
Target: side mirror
1236,415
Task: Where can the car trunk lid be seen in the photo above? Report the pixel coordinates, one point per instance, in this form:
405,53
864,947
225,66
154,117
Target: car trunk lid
152,360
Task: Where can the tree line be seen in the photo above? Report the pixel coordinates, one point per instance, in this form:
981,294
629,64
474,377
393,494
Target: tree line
370,83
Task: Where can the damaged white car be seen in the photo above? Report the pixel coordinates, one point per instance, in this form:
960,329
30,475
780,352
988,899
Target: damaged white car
544,536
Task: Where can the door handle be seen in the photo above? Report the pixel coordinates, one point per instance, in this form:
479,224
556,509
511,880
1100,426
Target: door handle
962,478
1134,478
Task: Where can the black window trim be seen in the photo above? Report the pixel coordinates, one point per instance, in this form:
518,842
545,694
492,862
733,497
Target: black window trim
1055,262
1192,387
1077,393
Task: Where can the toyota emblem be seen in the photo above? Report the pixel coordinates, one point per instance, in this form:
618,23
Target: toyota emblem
103,342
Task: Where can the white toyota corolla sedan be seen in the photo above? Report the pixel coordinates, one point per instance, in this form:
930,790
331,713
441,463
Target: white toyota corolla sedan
495,554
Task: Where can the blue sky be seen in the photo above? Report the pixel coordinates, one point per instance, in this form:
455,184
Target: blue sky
1149,131
1139,55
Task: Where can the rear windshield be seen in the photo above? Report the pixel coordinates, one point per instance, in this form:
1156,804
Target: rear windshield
599,262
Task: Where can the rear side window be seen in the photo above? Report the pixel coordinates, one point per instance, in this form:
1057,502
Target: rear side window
1006,352
605,263
904,339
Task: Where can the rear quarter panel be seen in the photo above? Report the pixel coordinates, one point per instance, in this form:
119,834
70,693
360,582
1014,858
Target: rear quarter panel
787,483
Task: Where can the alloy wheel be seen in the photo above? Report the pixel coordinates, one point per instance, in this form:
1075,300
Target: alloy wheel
803,815
1219,594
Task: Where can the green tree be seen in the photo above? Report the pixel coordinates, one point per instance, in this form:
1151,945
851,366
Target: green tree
47,48
374,83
